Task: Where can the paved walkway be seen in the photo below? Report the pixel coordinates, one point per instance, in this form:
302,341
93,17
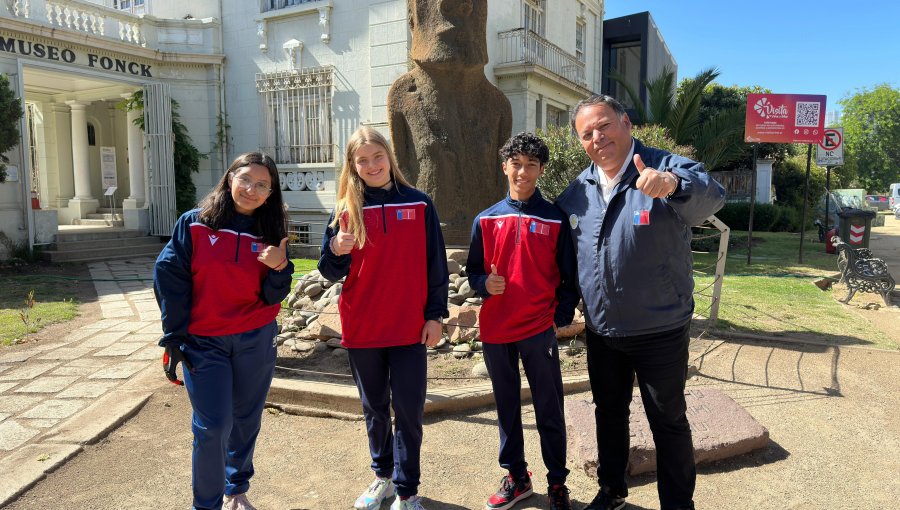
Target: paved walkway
57,396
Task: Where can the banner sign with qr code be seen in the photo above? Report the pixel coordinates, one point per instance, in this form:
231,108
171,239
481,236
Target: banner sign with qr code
785,118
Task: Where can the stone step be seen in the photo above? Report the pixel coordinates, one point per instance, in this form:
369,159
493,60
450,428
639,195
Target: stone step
103,253
98,222
105,216
97,234
119,242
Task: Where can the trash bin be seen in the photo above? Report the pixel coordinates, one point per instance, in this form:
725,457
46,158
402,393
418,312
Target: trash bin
855,226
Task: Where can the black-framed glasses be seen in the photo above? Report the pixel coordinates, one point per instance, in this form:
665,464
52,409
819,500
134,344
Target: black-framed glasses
260,187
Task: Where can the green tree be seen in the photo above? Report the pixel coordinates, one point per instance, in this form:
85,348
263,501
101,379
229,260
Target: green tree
10,114
871,121
654,135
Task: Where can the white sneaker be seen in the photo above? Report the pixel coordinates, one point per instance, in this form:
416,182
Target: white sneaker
378,491
413,503
237,502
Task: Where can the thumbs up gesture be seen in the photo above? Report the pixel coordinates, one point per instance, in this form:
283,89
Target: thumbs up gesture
495,283
342,243
274,256
652,182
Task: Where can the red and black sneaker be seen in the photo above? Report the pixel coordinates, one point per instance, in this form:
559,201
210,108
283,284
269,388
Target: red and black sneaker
511,491
559,497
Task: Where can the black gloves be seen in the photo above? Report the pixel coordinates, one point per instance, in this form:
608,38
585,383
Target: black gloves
171,357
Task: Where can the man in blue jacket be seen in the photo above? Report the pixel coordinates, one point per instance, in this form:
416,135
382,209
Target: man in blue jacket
631,212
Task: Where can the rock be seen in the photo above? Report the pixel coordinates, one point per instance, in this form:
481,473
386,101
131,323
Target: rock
453,266
477,301
320,346
479,347
456,299
303,346
480,370
462,325
458,255
572,348
334,343
304,302
465,289
454,277
281,339
330,321
461,351
334,300
340,353
720,427
308,315
289,342
442,342
313,290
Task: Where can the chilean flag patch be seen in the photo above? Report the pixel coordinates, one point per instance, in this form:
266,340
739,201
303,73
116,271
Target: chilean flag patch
406,214
642,217
539,228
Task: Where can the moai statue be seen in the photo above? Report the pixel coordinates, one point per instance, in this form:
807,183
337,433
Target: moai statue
447,120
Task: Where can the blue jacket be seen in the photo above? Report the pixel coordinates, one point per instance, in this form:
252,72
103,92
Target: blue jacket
635,274
530,243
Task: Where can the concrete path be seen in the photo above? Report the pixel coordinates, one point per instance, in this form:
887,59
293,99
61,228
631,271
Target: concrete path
57,396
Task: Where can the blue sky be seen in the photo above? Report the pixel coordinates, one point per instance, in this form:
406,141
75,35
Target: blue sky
826,47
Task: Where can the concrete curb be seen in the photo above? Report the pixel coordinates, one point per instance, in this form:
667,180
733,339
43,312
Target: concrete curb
321,399
29,464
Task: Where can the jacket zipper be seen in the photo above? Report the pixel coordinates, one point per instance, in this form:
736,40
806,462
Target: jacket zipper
237,248
518,227
383,219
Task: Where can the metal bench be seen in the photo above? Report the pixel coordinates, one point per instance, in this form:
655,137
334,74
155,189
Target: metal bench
861,271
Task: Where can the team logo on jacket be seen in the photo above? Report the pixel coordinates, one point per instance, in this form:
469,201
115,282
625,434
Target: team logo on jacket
212,239
257,247
573,221
539,228
406,214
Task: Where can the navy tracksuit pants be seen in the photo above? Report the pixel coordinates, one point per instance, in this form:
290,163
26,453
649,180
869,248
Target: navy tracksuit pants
540,358
660,362
393,377
228,385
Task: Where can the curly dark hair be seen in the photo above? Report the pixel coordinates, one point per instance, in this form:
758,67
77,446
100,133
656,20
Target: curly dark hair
528,144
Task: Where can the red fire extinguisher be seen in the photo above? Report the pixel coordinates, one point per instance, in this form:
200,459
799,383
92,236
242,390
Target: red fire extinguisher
35,200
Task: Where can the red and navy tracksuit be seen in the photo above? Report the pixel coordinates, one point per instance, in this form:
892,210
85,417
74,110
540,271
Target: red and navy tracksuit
219,303
394,283
530,244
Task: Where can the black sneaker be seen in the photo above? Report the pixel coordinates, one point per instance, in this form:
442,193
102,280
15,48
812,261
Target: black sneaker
559,497
511,491
605,501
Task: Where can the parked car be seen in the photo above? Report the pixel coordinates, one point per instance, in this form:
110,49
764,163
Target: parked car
880,202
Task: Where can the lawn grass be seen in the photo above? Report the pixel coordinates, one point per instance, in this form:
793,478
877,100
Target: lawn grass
775,294
304,266
55,300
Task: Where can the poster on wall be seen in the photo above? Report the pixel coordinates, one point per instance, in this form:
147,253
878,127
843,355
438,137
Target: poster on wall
108,167
785,118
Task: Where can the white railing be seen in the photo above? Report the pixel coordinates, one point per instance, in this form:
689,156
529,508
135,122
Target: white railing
83,17
521,46
271,5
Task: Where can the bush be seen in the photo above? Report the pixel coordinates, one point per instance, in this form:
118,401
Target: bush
737,215
567,160
654,135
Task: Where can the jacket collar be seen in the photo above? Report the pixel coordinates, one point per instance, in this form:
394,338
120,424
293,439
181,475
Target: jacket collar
524,205
380,195
593,177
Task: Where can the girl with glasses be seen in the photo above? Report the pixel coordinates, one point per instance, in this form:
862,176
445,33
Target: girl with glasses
219,283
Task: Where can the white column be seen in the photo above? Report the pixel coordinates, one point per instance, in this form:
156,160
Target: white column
80,160
135,158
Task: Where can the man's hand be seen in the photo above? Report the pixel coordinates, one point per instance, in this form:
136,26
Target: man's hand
495,283
342,243
431,333
652,182
172,356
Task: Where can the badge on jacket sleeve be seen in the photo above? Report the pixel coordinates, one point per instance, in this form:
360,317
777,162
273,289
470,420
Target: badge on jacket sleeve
642,217
573,221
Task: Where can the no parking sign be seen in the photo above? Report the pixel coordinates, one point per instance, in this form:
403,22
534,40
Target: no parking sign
830,150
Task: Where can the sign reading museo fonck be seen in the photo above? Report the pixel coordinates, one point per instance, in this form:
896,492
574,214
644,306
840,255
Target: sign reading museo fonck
55,53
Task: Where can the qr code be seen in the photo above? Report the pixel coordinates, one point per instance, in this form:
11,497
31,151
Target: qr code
807,114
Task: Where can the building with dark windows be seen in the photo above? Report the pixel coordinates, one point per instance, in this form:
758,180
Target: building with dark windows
634,48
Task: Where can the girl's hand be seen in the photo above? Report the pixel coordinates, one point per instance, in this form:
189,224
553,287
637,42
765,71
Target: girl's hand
343,242
275,256
431,333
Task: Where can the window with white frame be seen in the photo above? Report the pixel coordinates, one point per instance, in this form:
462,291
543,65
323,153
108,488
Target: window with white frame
298,116
132,6
271,5
580,31
533,16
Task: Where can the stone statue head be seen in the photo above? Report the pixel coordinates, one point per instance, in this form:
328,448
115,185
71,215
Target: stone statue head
448,32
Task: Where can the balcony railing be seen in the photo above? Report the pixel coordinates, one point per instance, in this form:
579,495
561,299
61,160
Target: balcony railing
521,46
272,5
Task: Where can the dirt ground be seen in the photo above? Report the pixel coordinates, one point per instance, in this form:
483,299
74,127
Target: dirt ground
830,411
